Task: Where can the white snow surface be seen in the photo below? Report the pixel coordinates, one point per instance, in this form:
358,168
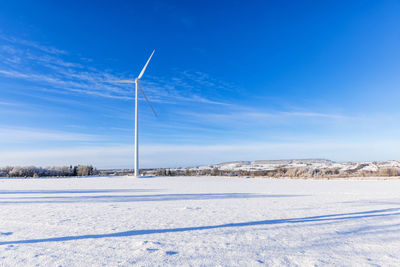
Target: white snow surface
199,221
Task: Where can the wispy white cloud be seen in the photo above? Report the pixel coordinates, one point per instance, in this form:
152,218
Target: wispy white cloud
48,66
189,87
27,43
82,83
14,134
5,103
52,61
238,115
316,115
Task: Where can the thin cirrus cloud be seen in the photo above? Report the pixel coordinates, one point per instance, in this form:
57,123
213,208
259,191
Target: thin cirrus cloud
46,49
4,103
48,68
12,134
241,115
60,76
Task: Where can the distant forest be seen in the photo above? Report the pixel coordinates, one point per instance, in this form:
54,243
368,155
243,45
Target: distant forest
32,171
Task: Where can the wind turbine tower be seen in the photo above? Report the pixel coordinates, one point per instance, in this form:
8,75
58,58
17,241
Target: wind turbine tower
137,87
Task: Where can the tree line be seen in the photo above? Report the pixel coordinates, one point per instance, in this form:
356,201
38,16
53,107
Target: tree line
56,171
290,172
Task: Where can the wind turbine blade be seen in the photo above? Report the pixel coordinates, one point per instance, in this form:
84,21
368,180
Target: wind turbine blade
145,66
147,100
117,81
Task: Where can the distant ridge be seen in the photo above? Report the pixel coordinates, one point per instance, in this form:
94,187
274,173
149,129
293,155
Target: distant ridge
277,161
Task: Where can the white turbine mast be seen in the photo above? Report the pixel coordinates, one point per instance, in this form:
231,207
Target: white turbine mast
137,87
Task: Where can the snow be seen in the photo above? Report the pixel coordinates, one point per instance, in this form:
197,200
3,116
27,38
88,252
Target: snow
199,221
370,167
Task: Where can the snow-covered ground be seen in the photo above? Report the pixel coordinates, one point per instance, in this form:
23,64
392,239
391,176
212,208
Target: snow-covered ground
199,221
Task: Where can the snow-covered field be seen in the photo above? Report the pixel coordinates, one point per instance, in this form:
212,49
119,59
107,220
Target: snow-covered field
199,221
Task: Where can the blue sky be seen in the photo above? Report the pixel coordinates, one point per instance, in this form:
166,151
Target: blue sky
230,80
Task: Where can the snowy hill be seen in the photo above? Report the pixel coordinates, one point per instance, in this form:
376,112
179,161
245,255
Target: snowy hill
321,168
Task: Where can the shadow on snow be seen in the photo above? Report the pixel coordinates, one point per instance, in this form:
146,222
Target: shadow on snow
73,191
322,218
131,198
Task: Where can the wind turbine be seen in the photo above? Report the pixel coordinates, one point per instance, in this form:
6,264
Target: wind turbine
137,86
